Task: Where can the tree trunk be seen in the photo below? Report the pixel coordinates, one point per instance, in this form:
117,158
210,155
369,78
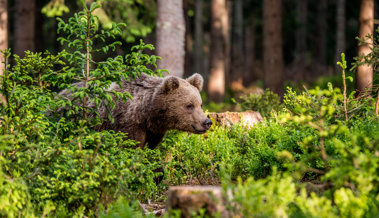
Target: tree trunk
237,42
170,31
321,27
24,27
366,26
273,46
301,39
227,22
341,40
219,23
199,37
250,74
188,41
3,35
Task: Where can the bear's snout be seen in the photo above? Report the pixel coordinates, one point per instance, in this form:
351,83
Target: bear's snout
207,124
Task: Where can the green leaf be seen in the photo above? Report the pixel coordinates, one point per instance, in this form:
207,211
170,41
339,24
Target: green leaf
350,78
84,5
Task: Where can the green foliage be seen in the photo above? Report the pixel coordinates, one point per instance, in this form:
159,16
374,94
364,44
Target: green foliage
263,103
138,15
123,209
267,197
347,181
327,102
342,153
52,162
55,8
14,195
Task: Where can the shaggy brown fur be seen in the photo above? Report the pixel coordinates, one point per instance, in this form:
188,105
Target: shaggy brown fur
158,105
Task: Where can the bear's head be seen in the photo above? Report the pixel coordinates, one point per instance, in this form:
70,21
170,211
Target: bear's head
182,104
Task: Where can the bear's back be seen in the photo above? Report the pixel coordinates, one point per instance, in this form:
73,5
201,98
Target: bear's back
133,111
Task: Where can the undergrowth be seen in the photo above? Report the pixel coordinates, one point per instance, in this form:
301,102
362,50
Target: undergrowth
316,155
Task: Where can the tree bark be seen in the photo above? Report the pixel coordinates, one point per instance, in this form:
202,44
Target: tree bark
273,46
250,74
24,27
366,26
3,35
216,86
170,31
188,41
341,35
237,42
199,37
321,26
227,22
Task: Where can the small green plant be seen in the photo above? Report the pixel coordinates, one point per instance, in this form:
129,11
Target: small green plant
263,103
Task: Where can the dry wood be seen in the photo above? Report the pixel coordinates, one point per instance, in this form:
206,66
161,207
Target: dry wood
231,118
191,199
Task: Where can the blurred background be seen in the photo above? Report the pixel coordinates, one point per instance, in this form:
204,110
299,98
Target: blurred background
239,46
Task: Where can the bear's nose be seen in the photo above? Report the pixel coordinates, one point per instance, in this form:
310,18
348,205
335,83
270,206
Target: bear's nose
207,123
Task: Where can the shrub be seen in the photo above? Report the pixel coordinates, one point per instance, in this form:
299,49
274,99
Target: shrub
68,168
263,103
341,151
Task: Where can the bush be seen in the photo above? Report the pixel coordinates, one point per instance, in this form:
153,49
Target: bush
263,103
340,150
53,160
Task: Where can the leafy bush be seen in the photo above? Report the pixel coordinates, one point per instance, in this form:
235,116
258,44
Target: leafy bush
347,177
344,150
263,103
53,160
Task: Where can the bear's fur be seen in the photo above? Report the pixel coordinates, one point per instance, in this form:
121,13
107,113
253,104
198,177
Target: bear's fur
158,105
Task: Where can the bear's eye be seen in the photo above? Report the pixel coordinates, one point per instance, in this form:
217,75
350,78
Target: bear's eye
201,105
190,106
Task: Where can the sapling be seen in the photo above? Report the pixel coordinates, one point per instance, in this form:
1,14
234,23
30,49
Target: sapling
343,66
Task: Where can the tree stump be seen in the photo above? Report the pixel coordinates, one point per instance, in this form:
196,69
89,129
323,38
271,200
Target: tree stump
231,118
191,199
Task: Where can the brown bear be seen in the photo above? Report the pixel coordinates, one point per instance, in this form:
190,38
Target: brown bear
158,105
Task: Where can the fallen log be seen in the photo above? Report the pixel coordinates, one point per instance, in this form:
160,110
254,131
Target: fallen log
231,118
191,199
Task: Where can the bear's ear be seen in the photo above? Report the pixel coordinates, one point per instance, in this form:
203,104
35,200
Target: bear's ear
170,84
196,80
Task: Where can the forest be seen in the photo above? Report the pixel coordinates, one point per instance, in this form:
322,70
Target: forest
289,91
